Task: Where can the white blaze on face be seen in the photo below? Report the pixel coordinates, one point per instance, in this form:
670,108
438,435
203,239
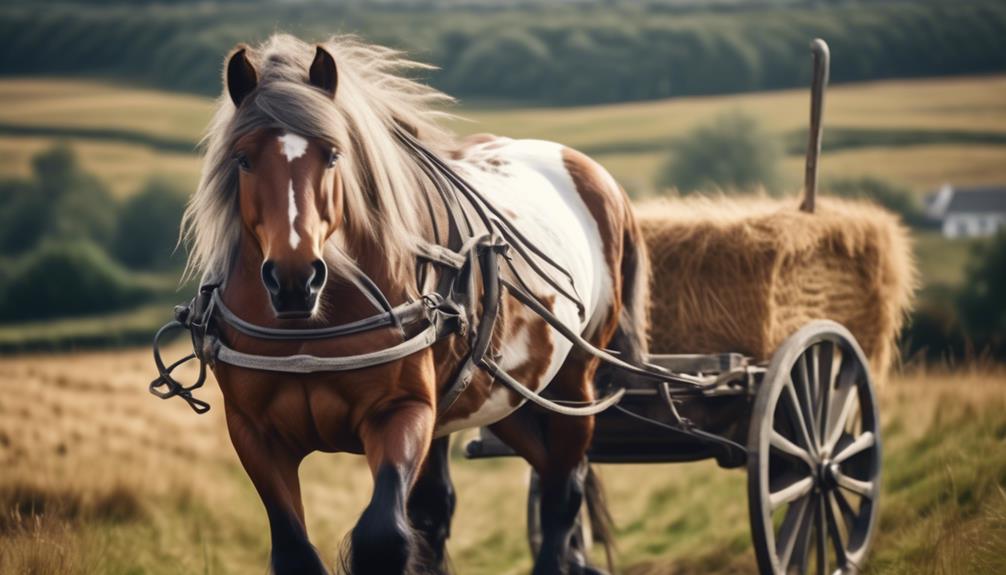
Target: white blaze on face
292,212
293,147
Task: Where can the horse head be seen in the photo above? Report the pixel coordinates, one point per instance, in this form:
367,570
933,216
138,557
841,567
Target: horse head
290,194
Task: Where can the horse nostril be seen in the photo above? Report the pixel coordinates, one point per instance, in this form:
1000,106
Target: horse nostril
318,276
269,277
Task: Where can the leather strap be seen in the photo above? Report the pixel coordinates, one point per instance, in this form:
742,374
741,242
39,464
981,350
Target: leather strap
304,363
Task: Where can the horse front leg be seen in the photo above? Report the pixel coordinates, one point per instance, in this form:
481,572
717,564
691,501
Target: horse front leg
272,467
431,505
396,444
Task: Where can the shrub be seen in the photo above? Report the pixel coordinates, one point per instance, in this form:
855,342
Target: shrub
22,216
935,332
981,301
79,205
148,227
733,154
67,278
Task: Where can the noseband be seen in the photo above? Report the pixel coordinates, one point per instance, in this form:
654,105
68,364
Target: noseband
450,309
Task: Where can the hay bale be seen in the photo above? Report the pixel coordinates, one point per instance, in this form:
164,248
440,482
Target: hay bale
743,274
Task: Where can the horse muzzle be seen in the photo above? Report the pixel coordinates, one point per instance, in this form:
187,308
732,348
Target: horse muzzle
294,295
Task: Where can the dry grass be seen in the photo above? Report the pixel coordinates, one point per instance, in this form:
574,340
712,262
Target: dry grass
124,168
100,477
88,104
974,104
922,168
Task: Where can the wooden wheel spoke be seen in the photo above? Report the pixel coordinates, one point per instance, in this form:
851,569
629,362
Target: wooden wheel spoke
791,492
795,411
822,538
806,394
857,486
780,443
801,551
825,378
865,441
845,400
848,514
813,363
834,533
794,525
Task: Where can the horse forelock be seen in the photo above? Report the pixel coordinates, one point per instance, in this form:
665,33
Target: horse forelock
381,181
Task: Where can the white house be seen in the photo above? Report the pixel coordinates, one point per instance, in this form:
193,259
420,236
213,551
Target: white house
968,212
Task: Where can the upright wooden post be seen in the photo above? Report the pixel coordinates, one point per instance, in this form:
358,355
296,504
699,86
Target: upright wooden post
822,63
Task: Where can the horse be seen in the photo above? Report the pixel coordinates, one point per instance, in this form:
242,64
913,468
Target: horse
306,188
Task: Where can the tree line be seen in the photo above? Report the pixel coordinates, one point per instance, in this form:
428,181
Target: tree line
536,52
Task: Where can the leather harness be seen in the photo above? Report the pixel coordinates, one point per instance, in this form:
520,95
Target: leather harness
450,309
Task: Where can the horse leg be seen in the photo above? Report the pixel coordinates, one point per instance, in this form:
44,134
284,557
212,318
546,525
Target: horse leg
556,446
562,494
396,444
272,468
431,504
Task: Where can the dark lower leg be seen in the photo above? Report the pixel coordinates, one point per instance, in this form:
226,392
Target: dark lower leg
561,500
382,541
292,552
396,445
431,505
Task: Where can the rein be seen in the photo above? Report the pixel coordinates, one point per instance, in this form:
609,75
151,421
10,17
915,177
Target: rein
449,310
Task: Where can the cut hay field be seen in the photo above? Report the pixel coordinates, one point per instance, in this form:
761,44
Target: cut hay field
951,129
100,477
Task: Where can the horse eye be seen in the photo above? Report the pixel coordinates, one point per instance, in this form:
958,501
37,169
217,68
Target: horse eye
243,162
333,157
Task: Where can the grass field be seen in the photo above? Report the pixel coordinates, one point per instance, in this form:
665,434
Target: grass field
100,477
633,139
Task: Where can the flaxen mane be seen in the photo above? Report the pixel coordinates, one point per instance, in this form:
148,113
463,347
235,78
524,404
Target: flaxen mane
381,181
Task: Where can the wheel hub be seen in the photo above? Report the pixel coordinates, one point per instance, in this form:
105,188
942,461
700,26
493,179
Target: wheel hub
827,474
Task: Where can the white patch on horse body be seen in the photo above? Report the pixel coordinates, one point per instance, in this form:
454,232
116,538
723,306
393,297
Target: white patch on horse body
292,213
550,212
293,146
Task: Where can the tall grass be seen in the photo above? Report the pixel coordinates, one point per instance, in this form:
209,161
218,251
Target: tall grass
100,477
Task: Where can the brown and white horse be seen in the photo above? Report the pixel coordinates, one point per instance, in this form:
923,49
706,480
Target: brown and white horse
304,187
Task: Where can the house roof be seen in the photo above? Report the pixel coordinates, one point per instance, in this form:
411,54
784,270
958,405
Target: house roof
977,200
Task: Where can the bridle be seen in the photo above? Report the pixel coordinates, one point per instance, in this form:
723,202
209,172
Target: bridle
451,309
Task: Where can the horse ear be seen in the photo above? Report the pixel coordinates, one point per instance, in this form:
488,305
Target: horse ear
323,73
241,75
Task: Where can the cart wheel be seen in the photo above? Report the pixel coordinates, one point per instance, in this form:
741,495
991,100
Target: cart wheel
582,538
814,461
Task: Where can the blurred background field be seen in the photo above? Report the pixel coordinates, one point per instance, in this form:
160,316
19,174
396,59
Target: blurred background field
102,105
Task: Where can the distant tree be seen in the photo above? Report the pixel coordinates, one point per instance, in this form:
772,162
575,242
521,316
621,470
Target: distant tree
982,300
148,227
511,63
61,201
733,154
